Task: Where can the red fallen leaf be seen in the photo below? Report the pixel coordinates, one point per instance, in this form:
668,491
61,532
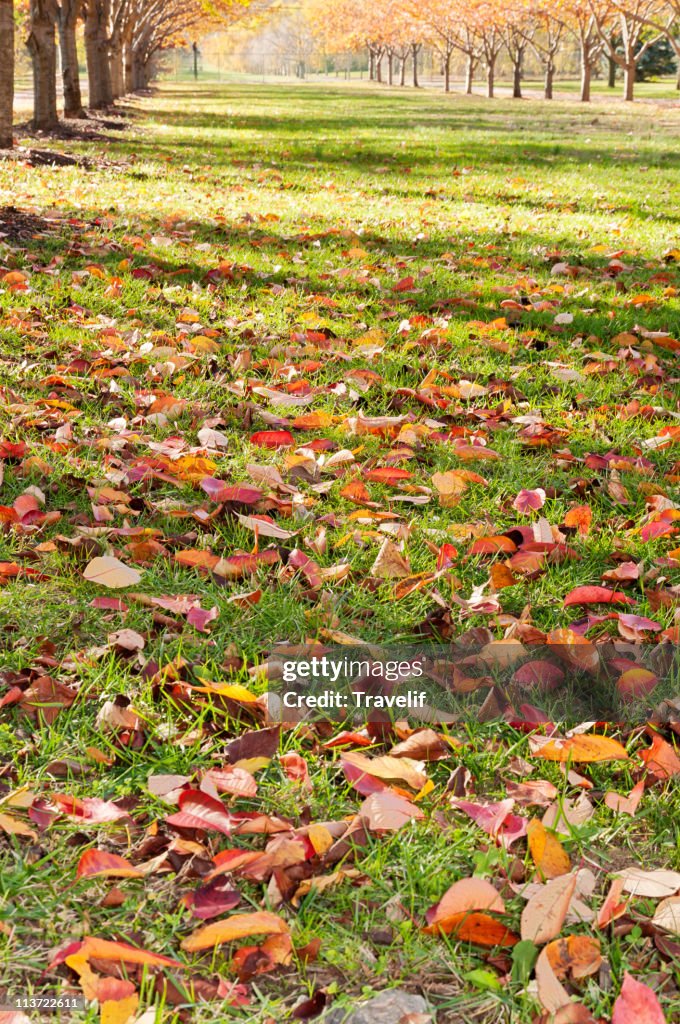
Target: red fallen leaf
635,683
622,573
295,768
9,569
405,285
236,566
637,1003
258,743
109,604
199,617
272,439
387,474
217,490
359,780
596,595
13,450
99,862
231,861
212,899
544,674
661,759
198,810
656,529
496,819
634,627
477,928
89,808
446,556
529,501
311,1007
309,569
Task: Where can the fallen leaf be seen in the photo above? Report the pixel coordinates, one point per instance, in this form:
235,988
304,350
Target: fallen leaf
239,926
110,572
637,1003
544,914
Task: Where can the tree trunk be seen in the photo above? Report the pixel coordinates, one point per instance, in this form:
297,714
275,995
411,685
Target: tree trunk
97,52
586,72
42,46
67,20
390,69
414,51
549,76
447,73
470,74
378,68
490,78
517,77
677,80
611,75
127,67
371,65
402,70
117,70
6,72
629,81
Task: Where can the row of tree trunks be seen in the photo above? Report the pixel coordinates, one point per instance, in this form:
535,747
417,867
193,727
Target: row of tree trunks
114,68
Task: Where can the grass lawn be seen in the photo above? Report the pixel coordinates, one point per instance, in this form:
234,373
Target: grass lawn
482,294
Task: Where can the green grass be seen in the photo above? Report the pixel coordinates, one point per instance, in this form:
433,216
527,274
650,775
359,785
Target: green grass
475,201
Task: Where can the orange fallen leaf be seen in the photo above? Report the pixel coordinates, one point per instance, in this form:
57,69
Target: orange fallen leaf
464,896
99,862
239,926
477,928
585,747
548,854
661,759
